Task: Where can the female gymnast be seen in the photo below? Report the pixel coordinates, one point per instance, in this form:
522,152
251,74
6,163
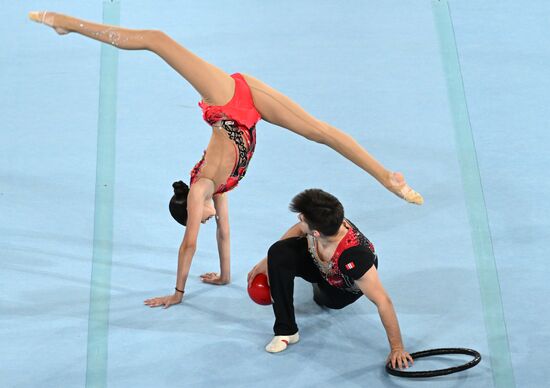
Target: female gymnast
231,105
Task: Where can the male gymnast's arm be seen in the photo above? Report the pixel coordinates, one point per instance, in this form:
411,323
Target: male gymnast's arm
372,288
294,231
188,247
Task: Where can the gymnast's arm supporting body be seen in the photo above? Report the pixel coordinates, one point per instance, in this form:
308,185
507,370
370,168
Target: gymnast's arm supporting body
223,240
372,288
200,191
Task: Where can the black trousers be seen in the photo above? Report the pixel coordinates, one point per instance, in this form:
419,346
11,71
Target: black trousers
286,260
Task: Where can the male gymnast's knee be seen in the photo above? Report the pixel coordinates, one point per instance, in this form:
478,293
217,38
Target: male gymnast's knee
280,255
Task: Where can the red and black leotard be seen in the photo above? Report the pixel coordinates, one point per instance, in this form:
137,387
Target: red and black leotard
238,118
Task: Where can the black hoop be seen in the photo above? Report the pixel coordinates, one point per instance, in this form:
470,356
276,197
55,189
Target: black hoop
437,372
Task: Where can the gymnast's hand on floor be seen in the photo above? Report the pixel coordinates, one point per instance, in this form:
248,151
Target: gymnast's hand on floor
399,358
214,278
165,301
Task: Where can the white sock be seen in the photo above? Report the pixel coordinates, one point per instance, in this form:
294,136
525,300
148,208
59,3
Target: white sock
280,342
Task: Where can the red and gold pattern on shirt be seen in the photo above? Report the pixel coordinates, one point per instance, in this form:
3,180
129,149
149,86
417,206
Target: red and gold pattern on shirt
330,271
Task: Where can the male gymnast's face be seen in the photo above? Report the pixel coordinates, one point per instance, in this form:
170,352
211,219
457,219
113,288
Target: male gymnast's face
305,227
208,211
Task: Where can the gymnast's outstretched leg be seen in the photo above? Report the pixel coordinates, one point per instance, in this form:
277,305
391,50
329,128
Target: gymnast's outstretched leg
216,88
278,109
214,85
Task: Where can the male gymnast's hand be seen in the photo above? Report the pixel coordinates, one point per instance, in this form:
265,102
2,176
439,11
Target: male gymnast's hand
399,358
165,301
261,267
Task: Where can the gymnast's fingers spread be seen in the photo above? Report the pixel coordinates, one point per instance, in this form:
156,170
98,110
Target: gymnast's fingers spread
151,302
402,362
155,302
392,360
216,279
406,357
398,361
205,277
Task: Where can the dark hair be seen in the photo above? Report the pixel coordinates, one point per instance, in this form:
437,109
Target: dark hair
322,211
178,203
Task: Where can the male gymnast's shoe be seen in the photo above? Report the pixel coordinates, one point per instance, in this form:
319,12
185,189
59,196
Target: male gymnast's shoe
280,342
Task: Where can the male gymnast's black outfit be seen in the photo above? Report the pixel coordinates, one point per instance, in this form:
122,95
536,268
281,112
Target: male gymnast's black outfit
333,282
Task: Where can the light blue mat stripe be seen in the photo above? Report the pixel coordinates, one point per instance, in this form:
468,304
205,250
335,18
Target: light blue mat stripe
497,337
98,321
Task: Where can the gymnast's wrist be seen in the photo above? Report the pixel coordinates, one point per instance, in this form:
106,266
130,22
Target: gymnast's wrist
179,291
397,348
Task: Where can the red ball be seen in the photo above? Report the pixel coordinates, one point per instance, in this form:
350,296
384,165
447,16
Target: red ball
259,290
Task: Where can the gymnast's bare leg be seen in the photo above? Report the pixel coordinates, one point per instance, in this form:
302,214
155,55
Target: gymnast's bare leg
278,109
214,85
216,88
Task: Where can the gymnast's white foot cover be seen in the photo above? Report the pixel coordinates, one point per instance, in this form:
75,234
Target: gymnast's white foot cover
403,190
280,342
47,18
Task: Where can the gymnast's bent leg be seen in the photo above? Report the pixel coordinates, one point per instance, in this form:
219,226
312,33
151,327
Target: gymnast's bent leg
280,110
286,260
214,85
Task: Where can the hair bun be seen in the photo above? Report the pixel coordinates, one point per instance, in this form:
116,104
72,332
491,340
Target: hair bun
178,202
180,189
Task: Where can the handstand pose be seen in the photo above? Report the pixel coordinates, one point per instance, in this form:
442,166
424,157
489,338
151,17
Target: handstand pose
232,105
